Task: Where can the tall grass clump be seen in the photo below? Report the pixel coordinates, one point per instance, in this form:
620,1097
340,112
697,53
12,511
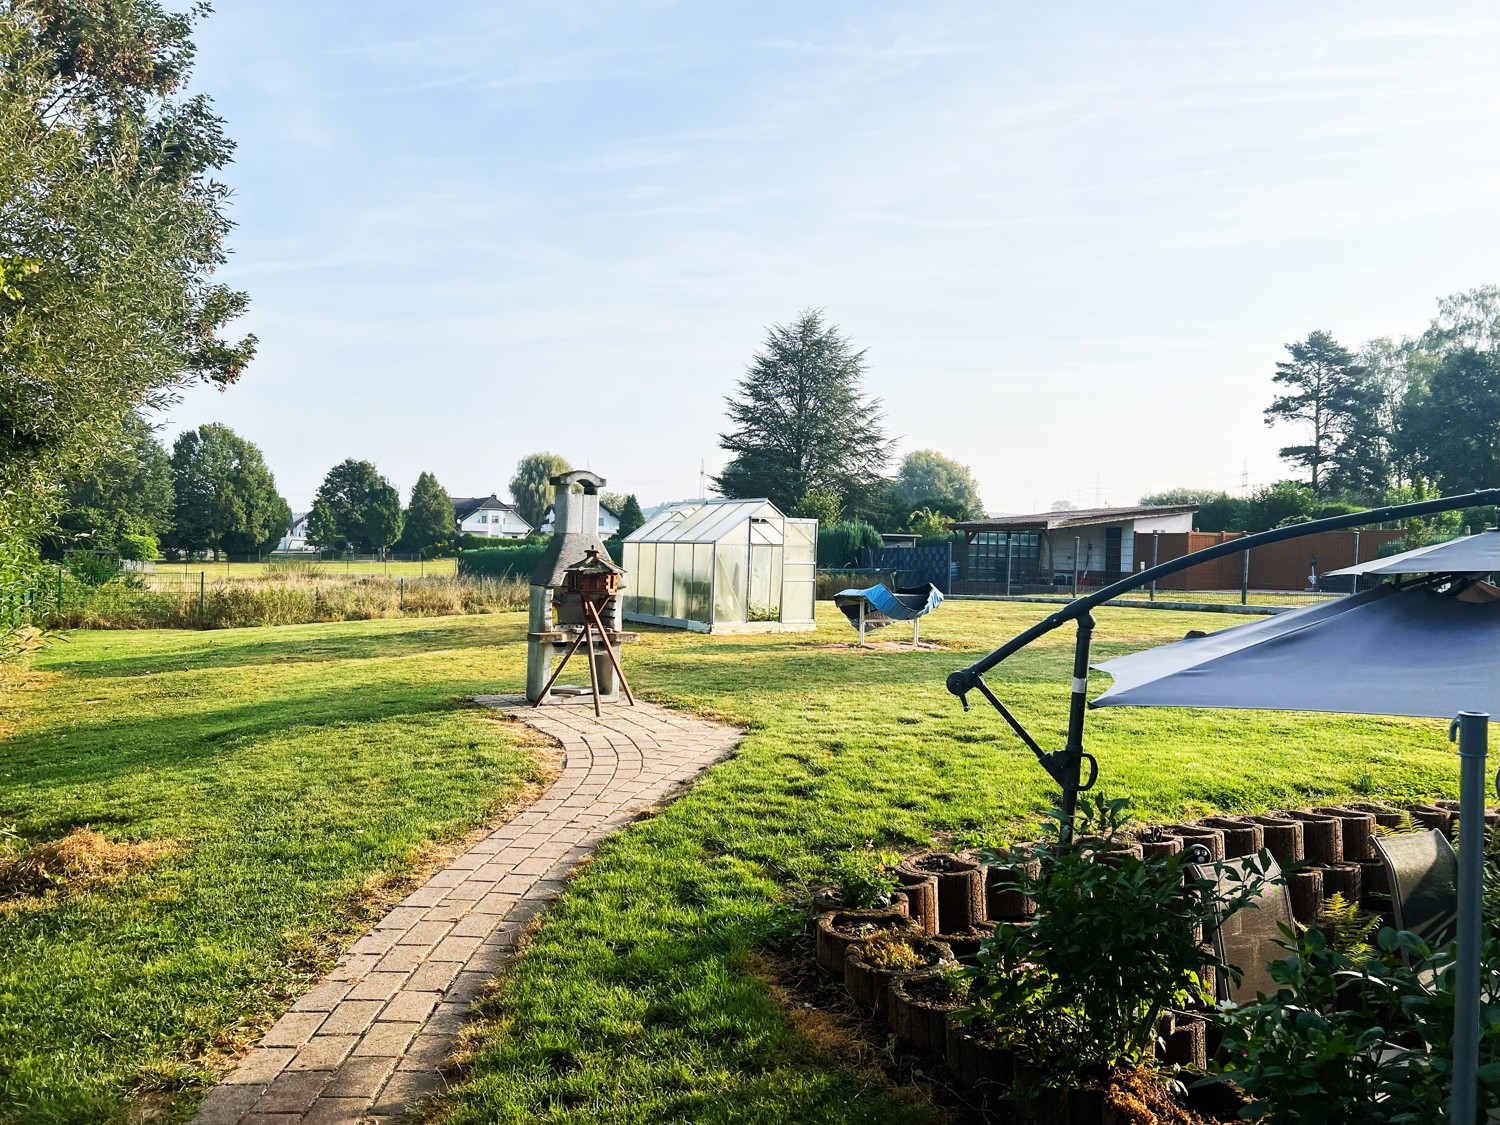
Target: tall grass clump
294,596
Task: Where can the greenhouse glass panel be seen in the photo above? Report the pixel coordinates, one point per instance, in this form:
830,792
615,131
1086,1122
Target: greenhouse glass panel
765,584
645,580
699,605
682,580
799,570
663,580
630,559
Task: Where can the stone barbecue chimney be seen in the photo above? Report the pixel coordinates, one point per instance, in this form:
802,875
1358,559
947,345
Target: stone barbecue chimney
557,615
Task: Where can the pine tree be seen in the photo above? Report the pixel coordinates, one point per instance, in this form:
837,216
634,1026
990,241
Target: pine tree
1327,392
801,420
429,516
631,516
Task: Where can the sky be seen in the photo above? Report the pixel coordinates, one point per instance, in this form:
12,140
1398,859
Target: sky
1073,239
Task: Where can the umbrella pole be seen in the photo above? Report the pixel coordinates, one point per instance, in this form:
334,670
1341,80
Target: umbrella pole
1471,730
1077,708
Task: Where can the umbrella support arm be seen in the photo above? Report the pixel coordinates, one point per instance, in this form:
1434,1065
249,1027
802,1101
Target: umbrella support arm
1066,766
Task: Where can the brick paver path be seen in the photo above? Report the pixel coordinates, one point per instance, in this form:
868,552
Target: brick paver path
367,1044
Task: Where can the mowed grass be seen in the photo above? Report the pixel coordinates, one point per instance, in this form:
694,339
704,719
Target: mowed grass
295,763
293,767
640,1000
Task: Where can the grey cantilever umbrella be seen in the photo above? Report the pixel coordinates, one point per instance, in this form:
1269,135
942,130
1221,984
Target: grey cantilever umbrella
1470,554
1387,651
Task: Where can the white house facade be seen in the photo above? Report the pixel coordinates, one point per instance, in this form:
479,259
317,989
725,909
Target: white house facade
488,516
295,539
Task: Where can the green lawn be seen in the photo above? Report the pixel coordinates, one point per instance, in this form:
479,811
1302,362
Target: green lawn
294,763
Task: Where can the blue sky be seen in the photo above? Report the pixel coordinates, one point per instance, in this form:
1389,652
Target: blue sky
1072,237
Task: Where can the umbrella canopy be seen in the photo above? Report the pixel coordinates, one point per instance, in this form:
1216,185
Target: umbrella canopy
1472,554
1387,651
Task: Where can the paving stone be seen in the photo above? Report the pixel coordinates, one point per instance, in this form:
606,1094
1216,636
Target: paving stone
293,1091
386,1038
378,986
454,949
323,1052
261,1065
425,933
337,1111
351,1017
406,1090
435,976
428,1051
323,998
408,1006
361,1077
293,1029
225,1105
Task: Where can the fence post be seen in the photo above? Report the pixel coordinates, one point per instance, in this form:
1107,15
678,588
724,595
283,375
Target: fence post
59,591
401,594
201,575
1245,578
1155,553
1077,550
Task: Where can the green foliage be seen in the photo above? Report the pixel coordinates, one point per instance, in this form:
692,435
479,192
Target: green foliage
1279,504
800,420
514,560
430,521
929,524
1350,925
839,544
92,568
926,478
128,492
531,489
114,225
630,515
138,548
865,878
1354,1038
821,504
1452,425
356,509
226,498
1217,510
1114,945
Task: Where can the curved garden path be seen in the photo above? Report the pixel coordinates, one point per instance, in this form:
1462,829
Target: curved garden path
369,1042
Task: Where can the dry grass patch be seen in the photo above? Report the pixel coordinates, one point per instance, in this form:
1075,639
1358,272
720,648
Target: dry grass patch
81,860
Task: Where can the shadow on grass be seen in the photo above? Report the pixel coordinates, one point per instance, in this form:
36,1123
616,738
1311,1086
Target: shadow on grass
297,647
111,748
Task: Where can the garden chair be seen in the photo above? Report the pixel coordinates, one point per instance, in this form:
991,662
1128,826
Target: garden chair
1423,871
1247,939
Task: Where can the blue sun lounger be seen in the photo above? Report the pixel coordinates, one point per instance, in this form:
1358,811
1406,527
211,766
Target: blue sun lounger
875,607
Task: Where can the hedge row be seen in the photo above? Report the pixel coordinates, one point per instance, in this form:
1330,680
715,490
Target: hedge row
839,544
516,560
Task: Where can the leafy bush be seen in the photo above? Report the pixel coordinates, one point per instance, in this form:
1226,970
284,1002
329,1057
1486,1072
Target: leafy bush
839,544
865,879
92,568
514,560
1114,946
1357,1038
138,548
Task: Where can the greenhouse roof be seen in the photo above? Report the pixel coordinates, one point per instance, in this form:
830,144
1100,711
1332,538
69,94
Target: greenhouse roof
705,521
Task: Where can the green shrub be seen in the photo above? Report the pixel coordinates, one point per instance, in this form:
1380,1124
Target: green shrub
92,568
515,560
138,548
839,544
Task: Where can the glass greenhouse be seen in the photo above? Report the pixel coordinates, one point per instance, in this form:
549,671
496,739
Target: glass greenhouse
722,565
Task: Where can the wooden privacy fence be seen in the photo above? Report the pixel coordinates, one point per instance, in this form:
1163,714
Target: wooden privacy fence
1275,566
